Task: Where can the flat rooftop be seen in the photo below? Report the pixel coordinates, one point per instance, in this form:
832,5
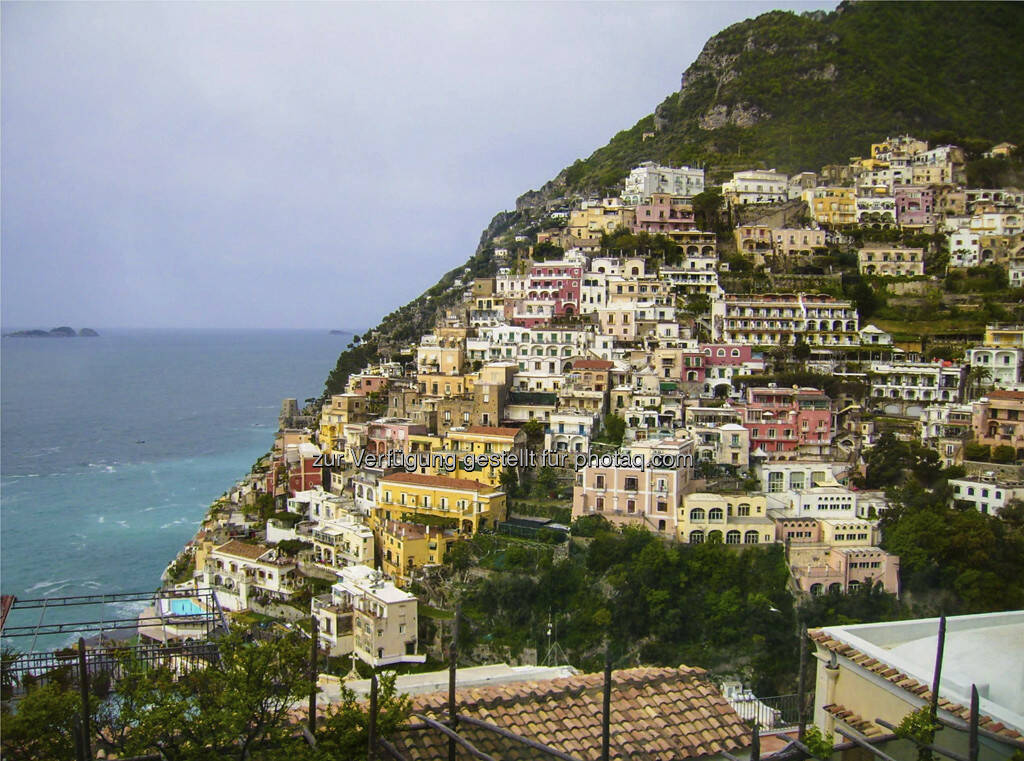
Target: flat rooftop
985,649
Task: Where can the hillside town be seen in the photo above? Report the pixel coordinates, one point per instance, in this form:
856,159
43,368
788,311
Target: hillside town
572,334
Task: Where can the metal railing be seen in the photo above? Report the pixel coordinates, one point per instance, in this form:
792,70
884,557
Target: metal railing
772,713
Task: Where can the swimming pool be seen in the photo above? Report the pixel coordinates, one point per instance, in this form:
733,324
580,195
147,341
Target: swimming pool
182,606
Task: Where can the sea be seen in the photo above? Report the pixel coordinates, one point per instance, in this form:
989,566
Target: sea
112,449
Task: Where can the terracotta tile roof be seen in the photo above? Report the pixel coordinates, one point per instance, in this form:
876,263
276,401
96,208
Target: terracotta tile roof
242,549
905,682
851,719
592,364
657,714
438,482
485,430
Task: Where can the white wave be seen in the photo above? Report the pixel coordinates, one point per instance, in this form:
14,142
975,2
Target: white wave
45,584
123,524
102,519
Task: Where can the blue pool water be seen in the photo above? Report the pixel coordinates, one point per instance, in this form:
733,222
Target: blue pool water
185,607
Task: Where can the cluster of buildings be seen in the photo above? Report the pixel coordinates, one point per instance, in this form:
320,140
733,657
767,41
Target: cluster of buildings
420,450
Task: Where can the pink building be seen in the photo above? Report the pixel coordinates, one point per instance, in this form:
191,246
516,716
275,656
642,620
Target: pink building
388,434
844,569
724,361
366,383
557,282
915,205
664,215
646,496
787,423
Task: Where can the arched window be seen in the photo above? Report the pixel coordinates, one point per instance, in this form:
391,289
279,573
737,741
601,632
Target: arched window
743,509
697,537
715,514
835,588
751,537
697,514
733,537
714,537
816,590
853,586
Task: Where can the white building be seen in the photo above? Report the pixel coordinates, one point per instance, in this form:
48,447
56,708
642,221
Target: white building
241,572
964,248
756,186
1003,364
650,178
780,319
986,493
816,501
917,381
571,430
369,616
876,211
340,543
778,477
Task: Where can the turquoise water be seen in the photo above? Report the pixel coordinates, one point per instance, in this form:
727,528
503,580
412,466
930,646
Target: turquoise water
180,607
112,448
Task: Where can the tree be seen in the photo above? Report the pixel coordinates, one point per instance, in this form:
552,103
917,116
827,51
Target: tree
240,700
707,207
614,428
801,351
43,727
343,733
698,304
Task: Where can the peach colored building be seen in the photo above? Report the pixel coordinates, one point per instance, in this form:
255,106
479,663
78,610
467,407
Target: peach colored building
998,420
641,493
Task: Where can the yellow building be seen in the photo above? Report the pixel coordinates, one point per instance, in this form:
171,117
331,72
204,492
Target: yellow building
473,505
1004,336
404,547
724,519
339,412
590,223
439,384
833,206
484,443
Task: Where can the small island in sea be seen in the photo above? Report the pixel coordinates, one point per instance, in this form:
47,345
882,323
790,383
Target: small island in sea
61,332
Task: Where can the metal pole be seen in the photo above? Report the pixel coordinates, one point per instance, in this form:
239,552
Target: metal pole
606,708
938,668
313,653
371,742
972,729
801,686
453,656
83,686
755,743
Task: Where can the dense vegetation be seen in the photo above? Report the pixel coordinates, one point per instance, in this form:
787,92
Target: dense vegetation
821,87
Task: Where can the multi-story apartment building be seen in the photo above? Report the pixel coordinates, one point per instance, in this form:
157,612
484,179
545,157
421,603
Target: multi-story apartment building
662,214
241,573
406,547
998,420
697,274
755,186
558,282
917,381
964,248
777,477
782,319
340,543
600,218
786,423
571,430
832,206
999,361
945,428
470,504
986,493
789,241
724,519
650,179
915,206
335,415
727,444
882,260
875,210
637,494
723,362
370,616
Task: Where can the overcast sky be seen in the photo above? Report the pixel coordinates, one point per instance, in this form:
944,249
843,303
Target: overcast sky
298,165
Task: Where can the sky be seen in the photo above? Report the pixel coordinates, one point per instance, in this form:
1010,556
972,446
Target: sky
299,165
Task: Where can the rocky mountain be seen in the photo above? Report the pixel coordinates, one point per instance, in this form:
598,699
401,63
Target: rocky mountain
793,92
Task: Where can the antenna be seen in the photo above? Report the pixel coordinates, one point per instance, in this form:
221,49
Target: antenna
555,654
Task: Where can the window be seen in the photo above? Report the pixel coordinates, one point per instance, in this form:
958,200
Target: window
630,505
697,514
732,537
662,506
599,503
715,514
697,537
743,509
599,482
751,537
775,482
631,484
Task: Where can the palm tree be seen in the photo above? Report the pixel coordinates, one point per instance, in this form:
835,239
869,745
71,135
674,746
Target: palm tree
977,379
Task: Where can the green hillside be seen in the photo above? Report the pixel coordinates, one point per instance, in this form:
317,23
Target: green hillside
797,92
794,92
